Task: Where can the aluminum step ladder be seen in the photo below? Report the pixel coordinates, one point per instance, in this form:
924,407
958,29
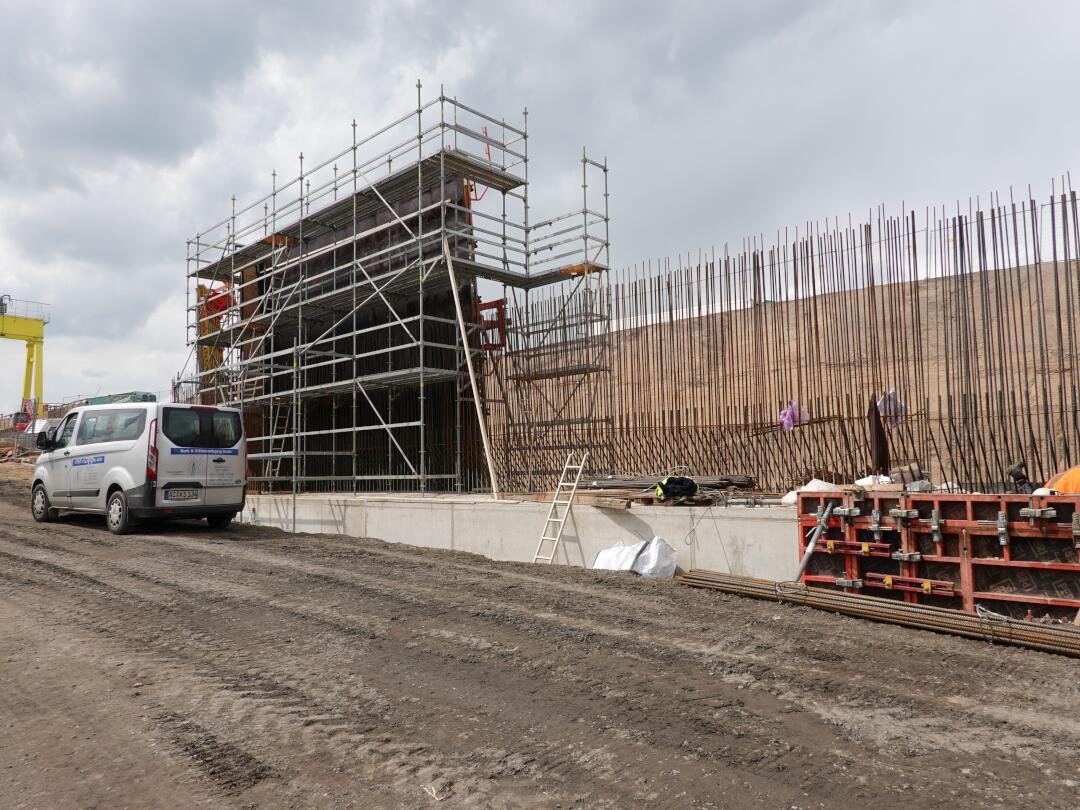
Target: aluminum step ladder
280,435
553,526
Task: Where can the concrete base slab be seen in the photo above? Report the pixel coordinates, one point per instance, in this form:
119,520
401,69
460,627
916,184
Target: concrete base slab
752,541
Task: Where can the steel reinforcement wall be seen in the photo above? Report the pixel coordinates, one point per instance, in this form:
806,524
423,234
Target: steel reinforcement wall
961,324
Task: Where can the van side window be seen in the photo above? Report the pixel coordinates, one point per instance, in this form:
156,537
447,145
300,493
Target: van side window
112,425
88,428
63,434
128,425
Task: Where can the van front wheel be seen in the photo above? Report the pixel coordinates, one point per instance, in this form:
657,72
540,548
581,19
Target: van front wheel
39,505
117,516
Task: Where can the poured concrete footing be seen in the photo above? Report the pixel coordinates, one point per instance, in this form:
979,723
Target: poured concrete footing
751,541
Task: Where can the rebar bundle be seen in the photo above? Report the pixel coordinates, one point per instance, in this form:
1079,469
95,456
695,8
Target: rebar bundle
1061,639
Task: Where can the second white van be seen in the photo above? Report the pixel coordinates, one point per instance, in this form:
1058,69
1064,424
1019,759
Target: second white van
131,461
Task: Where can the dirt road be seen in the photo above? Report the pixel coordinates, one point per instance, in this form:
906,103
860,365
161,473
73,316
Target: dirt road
187,668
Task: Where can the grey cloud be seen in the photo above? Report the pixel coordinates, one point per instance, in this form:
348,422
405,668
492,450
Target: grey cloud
127,126
93,82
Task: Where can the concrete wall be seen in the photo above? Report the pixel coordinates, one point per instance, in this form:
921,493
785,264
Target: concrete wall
758,541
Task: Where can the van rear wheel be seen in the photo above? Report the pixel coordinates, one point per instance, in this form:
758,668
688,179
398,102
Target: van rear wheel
220,521
117,516
40,507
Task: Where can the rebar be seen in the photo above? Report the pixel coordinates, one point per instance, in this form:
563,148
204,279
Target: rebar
961,326
1057,638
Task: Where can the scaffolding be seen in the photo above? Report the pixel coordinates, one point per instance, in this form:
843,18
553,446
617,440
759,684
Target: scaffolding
341,312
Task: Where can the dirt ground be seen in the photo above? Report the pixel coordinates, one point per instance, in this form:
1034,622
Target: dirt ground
182,667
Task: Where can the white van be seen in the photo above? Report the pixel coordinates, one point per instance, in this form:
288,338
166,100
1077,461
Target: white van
143,460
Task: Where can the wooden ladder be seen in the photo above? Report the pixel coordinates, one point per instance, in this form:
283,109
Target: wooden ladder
553,526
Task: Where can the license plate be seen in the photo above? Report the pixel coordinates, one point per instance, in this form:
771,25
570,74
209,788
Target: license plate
180,495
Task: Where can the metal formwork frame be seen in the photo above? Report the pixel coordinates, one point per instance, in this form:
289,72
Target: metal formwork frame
1011,554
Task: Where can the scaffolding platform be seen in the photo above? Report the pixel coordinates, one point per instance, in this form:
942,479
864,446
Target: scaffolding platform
328,311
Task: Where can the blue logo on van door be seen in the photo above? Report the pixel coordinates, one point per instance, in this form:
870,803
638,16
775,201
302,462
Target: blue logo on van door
205,451
85,460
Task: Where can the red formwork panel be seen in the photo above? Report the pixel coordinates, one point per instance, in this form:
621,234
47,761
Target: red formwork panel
1013,554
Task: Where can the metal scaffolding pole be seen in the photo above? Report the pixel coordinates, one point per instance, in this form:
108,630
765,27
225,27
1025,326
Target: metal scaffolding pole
335,294
481,422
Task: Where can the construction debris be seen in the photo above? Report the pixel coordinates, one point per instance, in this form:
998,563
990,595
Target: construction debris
11,450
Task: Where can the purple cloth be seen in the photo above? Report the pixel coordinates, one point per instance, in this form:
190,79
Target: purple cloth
792,415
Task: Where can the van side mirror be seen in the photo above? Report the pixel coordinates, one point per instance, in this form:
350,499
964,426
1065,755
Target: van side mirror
43,442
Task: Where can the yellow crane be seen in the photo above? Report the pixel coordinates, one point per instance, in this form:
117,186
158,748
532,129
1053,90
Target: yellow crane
25,321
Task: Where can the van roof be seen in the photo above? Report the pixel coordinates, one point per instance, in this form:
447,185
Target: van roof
113,406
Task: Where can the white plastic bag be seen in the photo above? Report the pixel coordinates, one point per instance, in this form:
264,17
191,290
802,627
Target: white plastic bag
817,485
870,480
656,560
813,485
652,558
892,408
617,558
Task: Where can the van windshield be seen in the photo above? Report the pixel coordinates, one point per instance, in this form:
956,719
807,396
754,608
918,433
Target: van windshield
201,427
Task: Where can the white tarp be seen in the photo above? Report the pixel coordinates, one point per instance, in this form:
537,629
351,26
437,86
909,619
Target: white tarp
651,558
813,485
871,480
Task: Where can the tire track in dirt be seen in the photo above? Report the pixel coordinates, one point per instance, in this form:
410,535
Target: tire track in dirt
552,771
905,692
499,685
622,699
905,706
296,721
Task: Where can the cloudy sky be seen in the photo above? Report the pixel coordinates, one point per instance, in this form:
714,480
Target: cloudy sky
126,126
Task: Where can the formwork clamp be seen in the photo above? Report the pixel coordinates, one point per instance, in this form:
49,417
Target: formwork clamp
1038,514
848,512
842,582
935,526
906,556
1003,528
904,515
875,524
1076,530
